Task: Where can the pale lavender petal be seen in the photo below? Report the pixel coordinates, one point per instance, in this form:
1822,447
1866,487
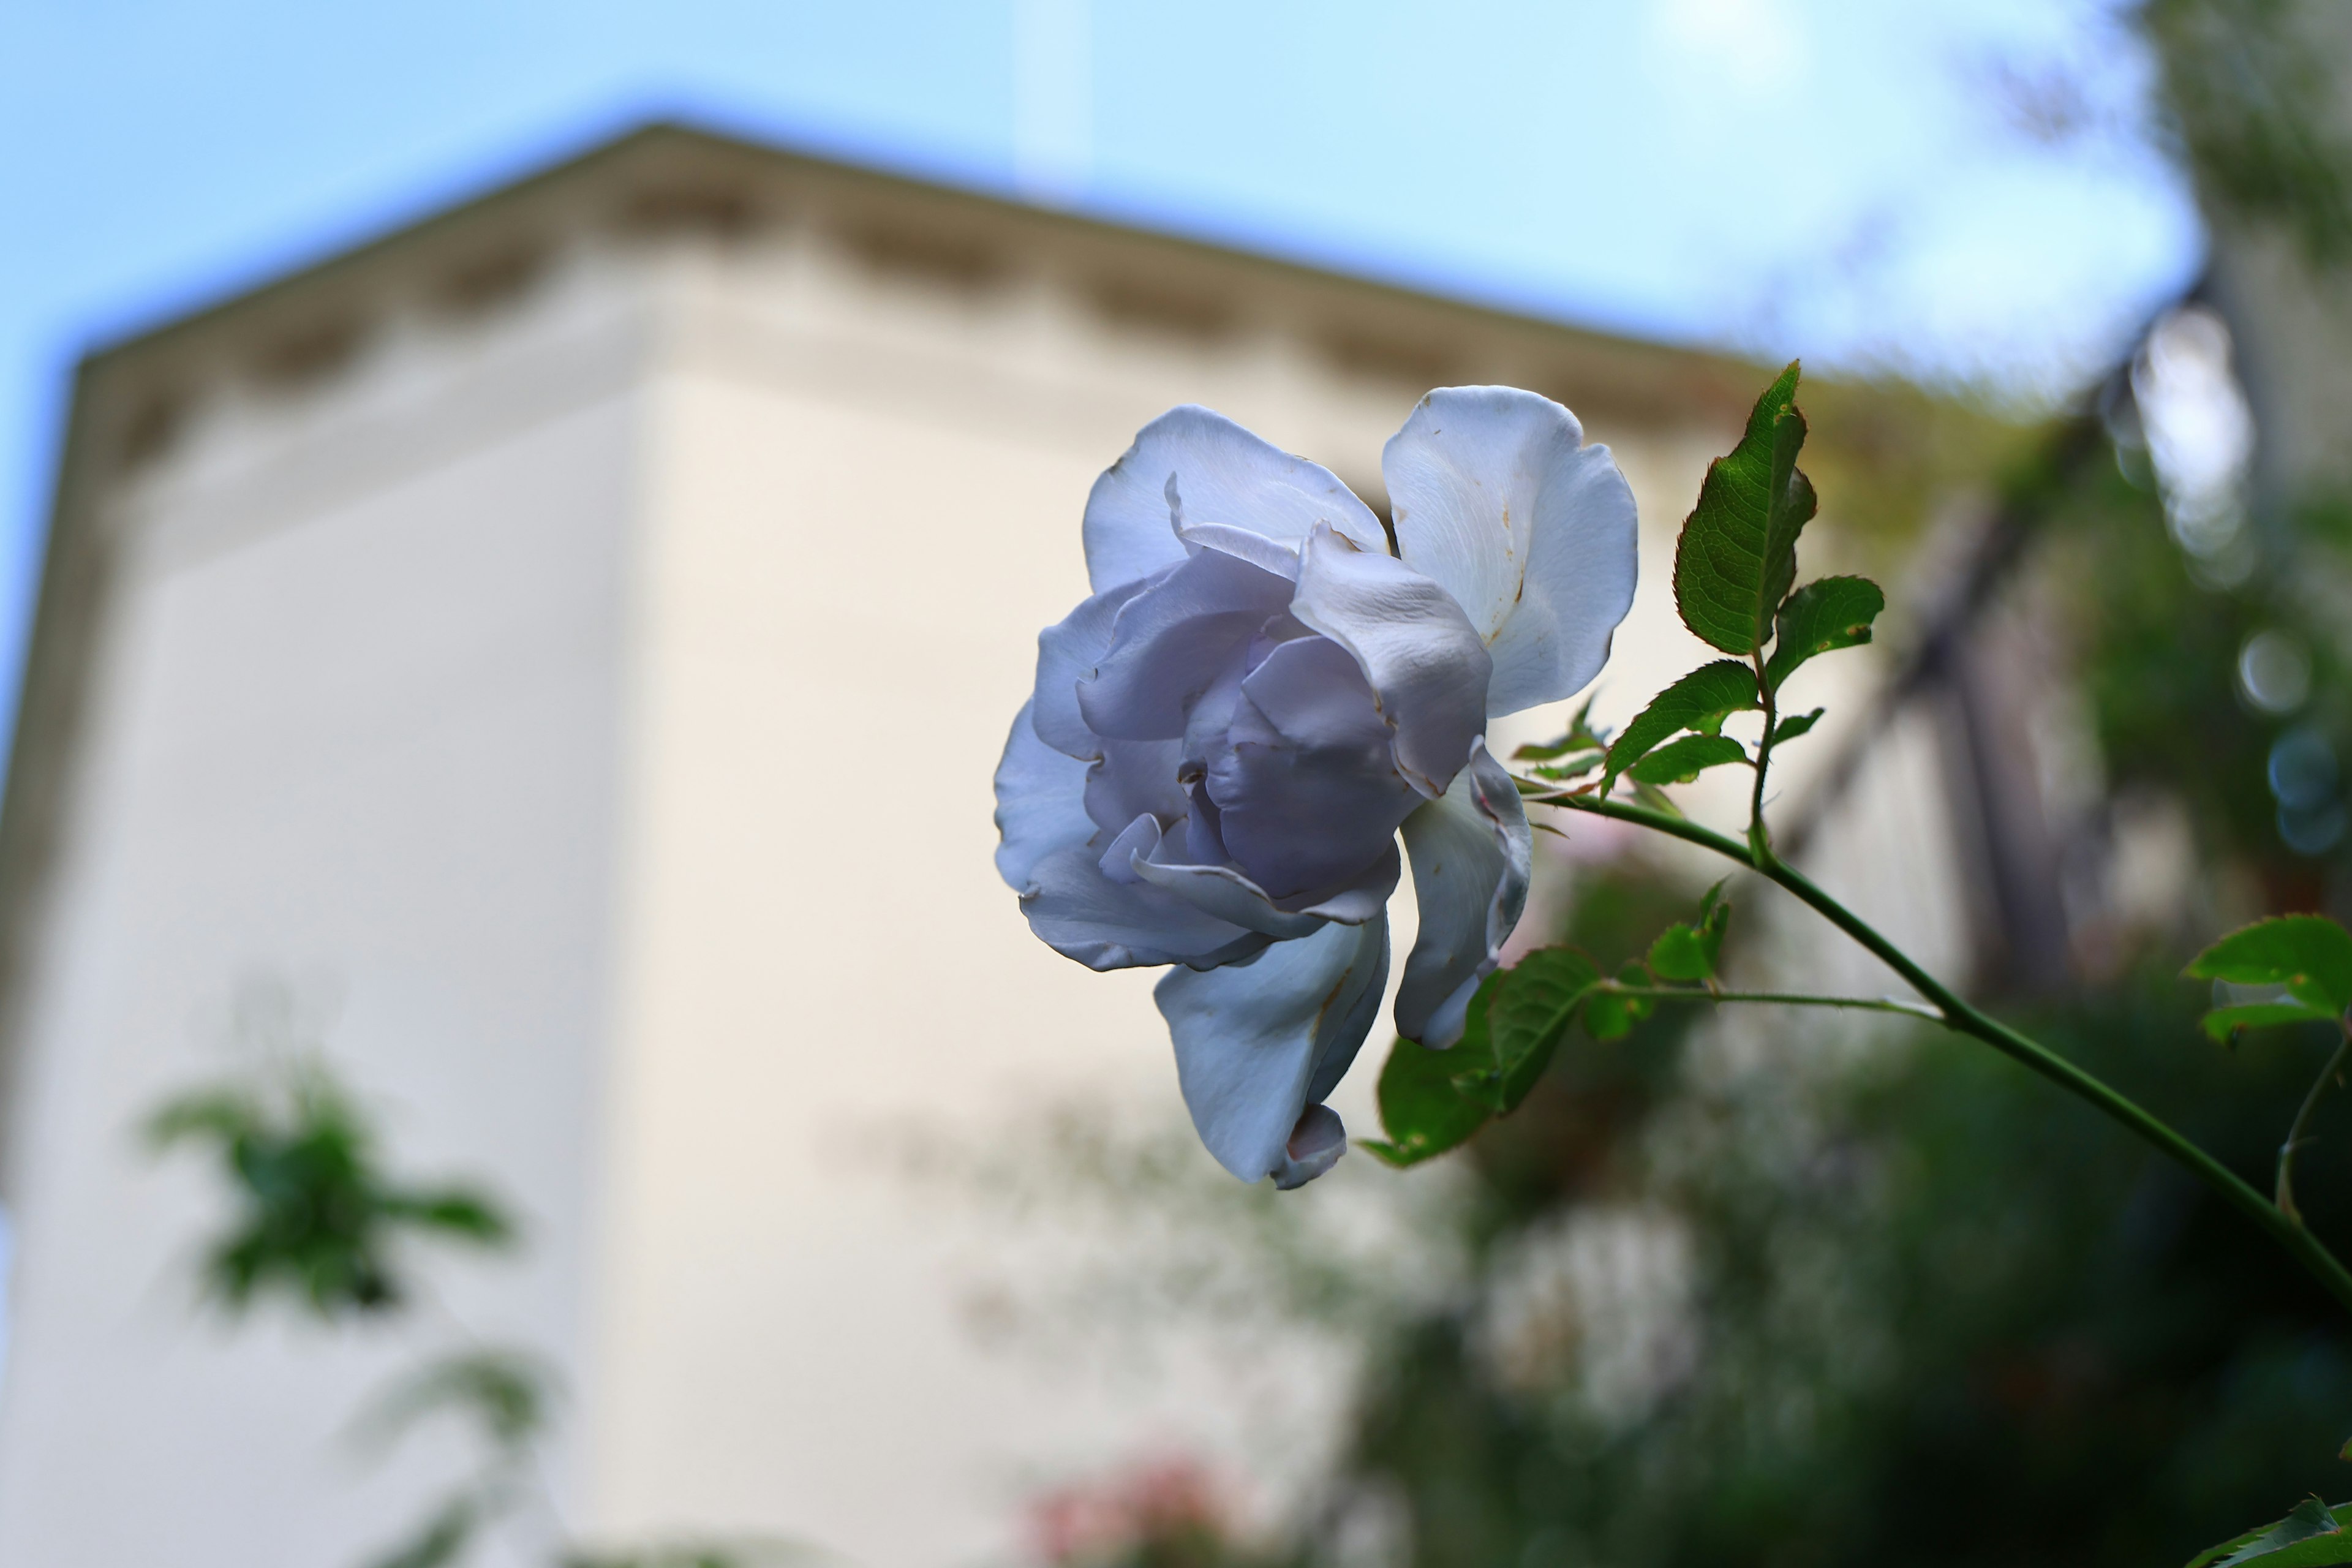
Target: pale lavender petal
1066,654
1497,498
1314,1146
1225,893
1134,777
1251,1036
1228,893
1265,554
1040,803
1223,475
1472,852
1082,914
1141,836
1307,785
1170,643
1413,643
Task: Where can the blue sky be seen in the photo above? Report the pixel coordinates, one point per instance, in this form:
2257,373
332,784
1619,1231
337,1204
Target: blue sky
1839,178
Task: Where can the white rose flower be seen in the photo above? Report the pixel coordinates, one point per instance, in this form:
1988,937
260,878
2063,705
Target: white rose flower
1227,737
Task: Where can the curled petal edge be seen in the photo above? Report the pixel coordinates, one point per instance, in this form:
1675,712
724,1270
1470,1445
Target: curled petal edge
1472,854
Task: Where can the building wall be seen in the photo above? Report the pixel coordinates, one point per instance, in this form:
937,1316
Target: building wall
588,708
355,744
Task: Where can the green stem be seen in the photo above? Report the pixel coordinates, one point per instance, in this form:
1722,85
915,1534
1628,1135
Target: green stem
1783,998
2286,1198
1757,835
2280,1225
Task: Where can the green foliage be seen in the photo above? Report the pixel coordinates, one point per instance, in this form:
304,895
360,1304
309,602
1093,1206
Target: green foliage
1432,1102
442,1539
316,1216
1688,952
2254,109
1826,615
1734,569
1738,554
1612,1014
693,1554
1530,1010
1679,762
1581,736
2312,1536
1794,725
2308,957
1925,1290
506,1393
1700,702
1421,1110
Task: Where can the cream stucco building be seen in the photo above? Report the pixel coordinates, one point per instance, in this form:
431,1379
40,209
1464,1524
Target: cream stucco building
566,644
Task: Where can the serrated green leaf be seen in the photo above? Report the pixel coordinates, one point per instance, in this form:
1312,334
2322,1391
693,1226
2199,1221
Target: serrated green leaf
1687,953
1423,1109
2309,955
1737,553
1796,724
1826,615
2224,1021
1700,702
1679,762
1534,1002
2312,1536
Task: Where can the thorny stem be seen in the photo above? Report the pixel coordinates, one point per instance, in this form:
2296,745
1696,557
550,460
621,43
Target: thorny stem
2295,1138
2280,1223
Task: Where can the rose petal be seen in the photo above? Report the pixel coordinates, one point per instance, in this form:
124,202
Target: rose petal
1314,1146
1413,644
1172,640
1133,777
1307,785
1223,475
1254,1038
1497,498
1040,802
1472,852
1067,653
1082,914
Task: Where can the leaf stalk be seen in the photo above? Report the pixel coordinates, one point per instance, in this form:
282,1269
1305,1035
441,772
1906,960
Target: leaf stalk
2295,1135
2277,1220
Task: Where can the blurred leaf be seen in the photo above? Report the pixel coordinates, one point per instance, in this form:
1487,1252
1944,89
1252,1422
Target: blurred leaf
1737,553
694,1554
1700,701
1687,953
2224,1021
1656,799
1796,724
507,1392
1679,762
1580,735
1826,615
459,1211
1575,767
2309,955
314,1215
2312,1536
444,1536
